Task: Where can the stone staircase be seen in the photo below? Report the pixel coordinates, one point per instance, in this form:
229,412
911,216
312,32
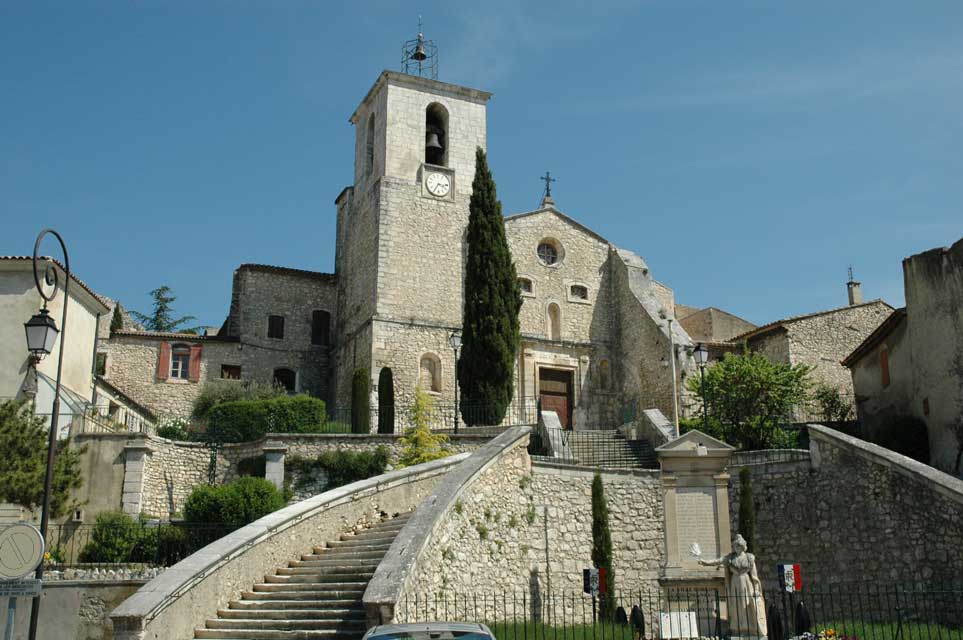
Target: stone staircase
609,449
318,596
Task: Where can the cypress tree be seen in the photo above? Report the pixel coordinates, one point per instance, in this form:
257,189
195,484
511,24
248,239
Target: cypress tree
360,402
747,513
602,544
492,301
117,320
386,401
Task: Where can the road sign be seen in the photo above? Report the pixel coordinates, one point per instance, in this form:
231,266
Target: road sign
21,550
20,588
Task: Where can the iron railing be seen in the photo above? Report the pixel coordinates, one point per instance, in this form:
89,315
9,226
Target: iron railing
483,419
103,420
604,448
153,543
768,456
854,612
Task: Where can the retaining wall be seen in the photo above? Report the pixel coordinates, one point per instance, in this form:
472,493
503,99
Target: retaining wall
75,609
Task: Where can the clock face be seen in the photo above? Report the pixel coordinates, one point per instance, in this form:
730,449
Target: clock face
438,184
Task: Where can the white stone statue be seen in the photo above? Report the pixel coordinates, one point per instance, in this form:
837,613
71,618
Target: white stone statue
747,609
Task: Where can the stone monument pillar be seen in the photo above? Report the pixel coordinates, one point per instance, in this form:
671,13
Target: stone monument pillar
695,496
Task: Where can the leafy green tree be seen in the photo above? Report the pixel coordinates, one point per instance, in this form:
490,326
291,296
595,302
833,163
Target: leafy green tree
602,544
831,405
216,392
750,399
747,511
23,441
162,317
117,319
420,444
360,402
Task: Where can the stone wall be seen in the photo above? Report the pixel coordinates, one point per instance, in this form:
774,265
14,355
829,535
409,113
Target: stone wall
878,403
860,512
75,609
519,529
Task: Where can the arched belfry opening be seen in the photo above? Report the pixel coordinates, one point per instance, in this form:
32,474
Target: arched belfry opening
436,135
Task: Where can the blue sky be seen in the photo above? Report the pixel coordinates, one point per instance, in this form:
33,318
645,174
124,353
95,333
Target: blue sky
749,151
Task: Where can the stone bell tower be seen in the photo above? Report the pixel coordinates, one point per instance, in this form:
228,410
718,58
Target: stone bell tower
401,228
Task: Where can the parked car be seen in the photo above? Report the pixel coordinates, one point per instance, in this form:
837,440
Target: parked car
430,631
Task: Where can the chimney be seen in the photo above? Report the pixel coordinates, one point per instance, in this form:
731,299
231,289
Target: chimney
854,290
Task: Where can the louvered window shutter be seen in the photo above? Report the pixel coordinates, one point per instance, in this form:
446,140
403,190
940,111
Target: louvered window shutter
194,367
164,361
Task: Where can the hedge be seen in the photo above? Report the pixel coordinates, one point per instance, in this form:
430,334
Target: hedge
247,420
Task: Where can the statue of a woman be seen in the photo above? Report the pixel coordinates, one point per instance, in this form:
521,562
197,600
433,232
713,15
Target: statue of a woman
747,609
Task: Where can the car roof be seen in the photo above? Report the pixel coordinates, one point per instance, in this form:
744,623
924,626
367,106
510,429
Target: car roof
428,626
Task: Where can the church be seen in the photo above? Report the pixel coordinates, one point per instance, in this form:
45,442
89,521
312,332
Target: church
600,340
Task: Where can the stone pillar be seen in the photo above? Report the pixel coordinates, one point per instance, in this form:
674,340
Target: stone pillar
274,462
136,453
695,497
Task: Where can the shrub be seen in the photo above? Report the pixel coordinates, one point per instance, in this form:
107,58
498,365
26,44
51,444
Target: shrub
747,512
360,402
246,420
420,444
117,537
341,466
174,429
218,392
906,435
232,505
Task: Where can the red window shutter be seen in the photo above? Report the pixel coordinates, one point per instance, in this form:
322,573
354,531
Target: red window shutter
884,366
164,361
194,366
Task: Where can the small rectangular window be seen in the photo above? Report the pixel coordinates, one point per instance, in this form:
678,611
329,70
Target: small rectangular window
276,327
180,360
231,372
525,284
579,292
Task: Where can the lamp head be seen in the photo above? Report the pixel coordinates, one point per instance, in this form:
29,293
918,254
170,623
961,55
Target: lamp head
41,333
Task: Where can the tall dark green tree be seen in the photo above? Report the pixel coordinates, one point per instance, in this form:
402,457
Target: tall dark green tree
162,317
602,545
492,301
117,320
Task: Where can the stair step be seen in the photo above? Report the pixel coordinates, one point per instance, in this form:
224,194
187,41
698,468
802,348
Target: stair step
288,605
334,566
279,613
284,625
341,571
261,634
327,594
313,576
370,539
344,555
264,587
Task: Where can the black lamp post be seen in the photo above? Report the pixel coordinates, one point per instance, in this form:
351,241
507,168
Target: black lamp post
701,354
455,341
41,336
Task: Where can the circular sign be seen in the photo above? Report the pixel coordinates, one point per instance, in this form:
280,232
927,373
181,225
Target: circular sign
21,550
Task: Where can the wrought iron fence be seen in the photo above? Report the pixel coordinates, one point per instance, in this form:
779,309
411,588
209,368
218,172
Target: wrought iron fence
856,612
483,419
158,544
767,456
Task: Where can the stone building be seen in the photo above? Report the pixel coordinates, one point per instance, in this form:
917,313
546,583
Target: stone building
595,325
821,339
912,365
714,328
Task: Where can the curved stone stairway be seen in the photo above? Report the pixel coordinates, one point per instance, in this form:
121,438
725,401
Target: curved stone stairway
318,596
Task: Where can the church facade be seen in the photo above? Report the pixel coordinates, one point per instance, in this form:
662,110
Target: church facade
595,325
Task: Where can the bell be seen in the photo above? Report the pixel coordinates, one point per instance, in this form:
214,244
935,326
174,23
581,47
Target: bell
419,53
432,142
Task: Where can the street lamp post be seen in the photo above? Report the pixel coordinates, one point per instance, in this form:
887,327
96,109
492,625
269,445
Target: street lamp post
41,334
455,341
701,354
